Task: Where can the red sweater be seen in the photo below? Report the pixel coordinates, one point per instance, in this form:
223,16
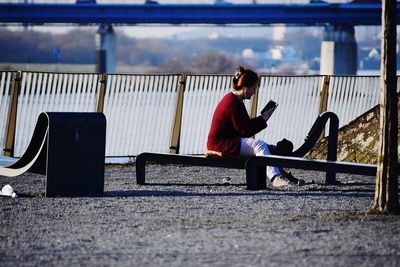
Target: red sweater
230,122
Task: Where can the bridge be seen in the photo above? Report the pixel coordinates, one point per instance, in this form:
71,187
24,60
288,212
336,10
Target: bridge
128,14
338,49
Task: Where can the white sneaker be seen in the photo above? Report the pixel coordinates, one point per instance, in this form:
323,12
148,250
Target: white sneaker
280,180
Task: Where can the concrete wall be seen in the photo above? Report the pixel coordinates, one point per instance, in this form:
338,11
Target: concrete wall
338,50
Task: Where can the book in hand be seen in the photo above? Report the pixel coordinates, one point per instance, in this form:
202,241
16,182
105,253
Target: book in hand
270,105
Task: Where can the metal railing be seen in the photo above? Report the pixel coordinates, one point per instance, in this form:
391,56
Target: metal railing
70,92
350,96
172,112
5,87
298,98
139,111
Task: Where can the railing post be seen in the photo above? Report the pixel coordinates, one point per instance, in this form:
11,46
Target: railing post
12,115
102,90
323,102
176,128
253,112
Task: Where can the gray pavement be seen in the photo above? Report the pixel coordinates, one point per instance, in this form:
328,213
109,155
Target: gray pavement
187,217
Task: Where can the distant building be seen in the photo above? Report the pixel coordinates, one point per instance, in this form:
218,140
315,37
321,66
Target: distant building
369,58
277,57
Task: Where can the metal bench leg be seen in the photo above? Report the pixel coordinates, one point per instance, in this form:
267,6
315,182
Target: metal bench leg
256,178
140,170
332,147
330,178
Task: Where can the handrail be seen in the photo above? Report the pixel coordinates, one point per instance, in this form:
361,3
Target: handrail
315,132
313,135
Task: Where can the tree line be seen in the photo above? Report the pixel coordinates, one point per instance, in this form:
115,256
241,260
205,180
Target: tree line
200,55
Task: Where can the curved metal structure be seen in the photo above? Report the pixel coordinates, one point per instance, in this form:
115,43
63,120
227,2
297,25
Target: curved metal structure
315,132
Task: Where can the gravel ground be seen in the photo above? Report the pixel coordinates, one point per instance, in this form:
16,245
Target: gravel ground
188,217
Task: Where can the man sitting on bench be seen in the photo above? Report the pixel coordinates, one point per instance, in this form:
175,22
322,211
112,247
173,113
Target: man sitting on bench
231,128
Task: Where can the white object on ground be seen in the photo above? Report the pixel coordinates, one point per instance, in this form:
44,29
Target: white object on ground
8,191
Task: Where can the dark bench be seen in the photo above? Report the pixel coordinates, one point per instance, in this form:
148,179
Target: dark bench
69,148
221,162
256,166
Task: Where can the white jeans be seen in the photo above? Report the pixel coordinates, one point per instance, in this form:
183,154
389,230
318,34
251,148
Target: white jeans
253,147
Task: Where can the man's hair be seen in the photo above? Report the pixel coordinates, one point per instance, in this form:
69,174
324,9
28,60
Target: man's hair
244,78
